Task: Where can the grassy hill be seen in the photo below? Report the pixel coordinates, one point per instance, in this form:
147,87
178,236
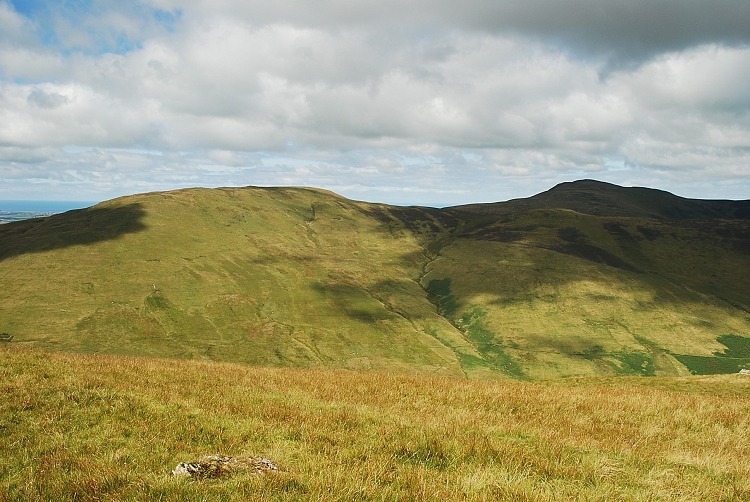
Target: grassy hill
291,277
585,279
95,427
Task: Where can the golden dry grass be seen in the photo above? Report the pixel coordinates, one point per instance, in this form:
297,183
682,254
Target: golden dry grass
112,427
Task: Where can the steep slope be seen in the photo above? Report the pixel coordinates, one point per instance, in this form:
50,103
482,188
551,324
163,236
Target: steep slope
587,278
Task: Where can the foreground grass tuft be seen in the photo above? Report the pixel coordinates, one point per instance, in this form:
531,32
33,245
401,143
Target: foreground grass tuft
113,427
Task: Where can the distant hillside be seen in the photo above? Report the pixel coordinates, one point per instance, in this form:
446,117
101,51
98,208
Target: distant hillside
597,198
586,278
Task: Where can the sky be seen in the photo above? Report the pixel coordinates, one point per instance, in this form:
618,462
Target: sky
430,102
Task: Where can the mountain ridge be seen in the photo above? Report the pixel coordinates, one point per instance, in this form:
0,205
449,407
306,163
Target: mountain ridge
599,198
304,277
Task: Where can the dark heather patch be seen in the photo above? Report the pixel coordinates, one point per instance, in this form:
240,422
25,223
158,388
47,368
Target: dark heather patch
649,233
577,245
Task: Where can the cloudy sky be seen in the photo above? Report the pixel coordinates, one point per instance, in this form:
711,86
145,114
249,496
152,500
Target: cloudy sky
432,102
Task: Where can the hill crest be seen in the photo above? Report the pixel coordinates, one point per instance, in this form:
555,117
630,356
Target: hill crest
599,198
584,279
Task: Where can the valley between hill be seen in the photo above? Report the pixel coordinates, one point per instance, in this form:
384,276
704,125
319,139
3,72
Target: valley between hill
585,279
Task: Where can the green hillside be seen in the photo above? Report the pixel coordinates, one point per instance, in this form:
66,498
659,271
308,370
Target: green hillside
585,279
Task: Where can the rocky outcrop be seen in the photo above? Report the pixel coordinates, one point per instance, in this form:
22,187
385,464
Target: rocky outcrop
218,466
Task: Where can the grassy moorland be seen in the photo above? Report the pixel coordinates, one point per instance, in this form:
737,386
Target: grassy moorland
97,427
575,294
585,279
289,277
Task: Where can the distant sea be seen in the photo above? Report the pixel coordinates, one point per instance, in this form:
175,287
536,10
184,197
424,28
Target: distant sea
16,210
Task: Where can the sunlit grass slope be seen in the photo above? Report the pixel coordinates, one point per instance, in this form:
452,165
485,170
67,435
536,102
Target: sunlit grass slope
584,279
94,427
290,277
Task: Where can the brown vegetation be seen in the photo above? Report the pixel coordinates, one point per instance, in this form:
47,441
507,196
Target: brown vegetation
113,427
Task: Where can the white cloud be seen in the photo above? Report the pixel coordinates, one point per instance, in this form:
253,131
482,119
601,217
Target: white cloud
419,98
38,115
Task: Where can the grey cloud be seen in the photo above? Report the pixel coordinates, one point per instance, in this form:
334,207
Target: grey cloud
620,32
13,155
48,100
625,31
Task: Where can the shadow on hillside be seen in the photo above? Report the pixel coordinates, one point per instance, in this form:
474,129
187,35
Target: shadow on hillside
77,227
672,261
